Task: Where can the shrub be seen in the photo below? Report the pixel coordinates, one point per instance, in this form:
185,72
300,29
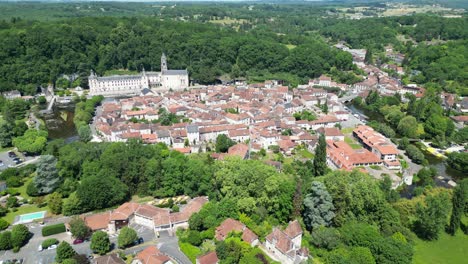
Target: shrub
5,240
49,242
53,229
3,224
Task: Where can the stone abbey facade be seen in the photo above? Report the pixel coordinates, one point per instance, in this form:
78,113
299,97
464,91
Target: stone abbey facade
128,85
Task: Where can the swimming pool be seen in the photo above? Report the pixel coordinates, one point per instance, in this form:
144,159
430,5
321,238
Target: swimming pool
27,218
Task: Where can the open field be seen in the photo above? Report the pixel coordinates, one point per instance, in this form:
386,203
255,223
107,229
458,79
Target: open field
447,250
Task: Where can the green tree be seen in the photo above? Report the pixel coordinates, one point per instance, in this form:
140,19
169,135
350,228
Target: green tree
432,217
126,237
320,158
54,201
92,197
458,161
19,236
47,178
100,243
72,205
415,154
408,127
318,207
33,141
459,205
223,143
64,251
85,133
3,224
5,240
78,228
326,238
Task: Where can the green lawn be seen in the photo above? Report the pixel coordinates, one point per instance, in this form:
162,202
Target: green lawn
448,249
353,144
347,130
304,153
30,208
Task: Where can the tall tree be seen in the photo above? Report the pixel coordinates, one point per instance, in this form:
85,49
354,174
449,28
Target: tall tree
54,201
459,205
47,178
100,243
318,207
64,251
432,217
19,236
320,158
126,237
78,228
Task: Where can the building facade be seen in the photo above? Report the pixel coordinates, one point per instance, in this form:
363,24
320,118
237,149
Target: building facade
128,85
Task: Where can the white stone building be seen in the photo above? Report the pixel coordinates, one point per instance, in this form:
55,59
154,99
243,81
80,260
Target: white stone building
128,85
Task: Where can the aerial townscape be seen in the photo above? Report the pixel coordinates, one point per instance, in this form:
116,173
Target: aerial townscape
223,132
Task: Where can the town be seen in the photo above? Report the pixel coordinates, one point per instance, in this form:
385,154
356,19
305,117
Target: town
206,133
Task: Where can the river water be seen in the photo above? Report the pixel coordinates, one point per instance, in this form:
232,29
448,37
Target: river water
60,124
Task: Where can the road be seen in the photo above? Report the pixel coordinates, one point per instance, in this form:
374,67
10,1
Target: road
30,254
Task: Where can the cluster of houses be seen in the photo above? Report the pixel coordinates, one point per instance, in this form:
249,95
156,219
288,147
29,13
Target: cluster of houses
282,245
152,217
256,113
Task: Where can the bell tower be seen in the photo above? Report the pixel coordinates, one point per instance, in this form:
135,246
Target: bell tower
163,62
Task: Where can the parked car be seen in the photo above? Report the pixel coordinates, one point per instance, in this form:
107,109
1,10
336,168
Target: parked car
11,154
52,247
139,241
77,241
1,163
39,248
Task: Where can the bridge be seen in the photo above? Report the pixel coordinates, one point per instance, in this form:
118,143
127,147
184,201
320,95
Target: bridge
347,98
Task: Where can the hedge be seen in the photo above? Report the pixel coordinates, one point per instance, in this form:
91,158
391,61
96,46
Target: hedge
53,229
49,242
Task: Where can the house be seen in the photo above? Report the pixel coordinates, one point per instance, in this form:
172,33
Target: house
341,156
377,143
331,133
12,95
156,218
109,259
151,255
460,121
286,245
230,225
241,150
193,134
208,258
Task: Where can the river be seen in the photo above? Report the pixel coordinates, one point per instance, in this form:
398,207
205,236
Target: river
60,124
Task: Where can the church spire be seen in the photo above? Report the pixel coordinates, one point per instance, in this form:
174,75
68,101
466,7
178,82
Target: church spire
163,62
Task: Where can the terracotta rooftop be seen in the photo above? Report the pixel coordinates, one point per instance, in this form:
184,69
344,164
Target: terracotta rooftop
152,255
208,258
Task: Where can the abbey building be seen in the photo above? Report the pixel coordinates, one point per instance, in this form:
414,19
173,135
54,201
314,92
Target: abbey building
128,85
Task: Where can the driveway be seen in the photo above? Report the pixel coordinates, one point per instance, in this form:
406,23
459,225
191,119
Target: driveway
30,254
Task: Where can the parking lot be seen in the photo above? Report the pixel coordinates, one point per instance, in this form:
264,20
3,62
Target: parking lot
7,161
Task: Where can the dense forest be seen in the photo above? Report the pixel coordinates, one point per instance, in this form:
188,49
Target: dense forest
262,41
39,52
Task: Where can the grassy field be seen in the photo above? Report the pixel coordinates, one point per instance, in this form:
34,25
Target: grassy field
447,250
30,208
